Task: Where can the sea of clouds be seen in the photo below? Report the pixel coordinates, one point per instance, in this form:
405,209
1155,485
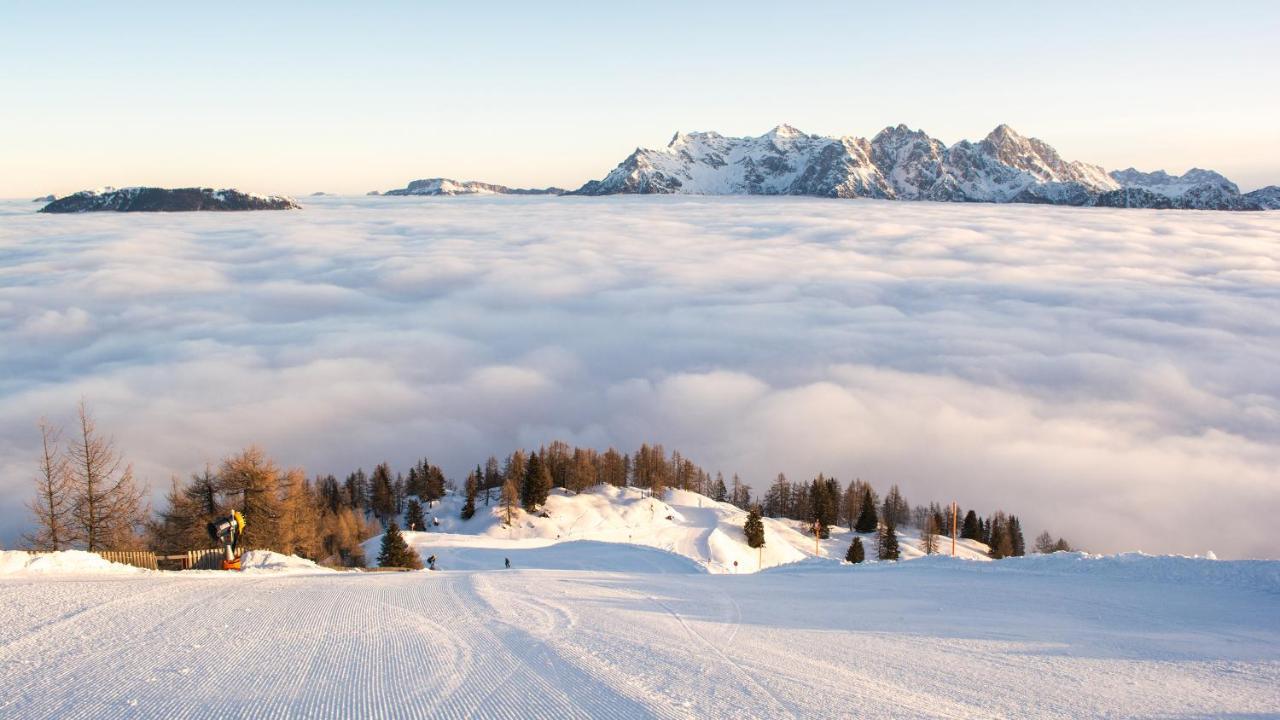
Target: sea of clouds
1112,376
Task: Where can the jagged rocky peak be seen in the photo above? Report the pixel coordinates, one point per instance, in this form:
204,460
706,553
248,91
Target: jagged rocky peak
446,186
153,199
898,163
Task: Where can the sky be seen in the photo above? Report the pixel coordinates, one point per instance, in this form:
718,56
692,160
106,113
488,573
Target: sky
338,97
1106,375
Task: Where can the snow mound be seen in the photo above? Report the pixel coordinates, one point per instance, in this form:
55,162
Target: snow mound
18,562
692,532
274,562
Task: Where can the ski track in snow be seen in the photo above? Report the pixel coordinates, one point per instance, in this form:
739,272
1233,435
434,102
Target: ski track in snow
923,639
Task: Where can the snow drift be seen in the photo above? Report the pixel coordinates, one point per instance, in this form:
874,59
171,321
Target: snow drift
611,528
18,562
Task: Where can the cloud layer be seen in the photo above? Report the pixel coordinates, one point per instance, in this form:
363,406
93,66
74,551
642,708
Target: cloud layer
1108,375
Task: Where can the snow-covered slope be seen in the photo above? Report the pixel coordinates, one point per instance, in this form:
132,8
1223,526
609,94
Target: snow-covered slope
609,528
1057,637
903,164
446,186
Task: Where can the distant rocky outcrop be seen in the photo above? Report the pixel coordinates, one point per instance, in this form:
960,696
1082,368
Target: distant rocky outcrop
152,199
446,186
1267,198
904,164
45,199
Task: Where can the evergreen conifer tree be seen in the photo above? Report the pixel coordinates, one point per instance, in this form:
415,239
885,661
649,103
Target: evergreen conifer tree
395,551
867,519
754,528
1019,545
382,499
473,486
855,554
537,482
971,529
720,493
413,518
888,543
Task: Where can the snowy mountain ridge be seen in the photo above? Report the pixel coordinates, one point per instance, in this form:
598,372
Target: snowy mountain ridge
899,163
446,186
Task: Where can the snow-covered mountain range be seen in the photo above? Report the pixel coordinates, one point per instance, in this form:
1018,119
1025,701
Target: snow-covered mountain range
446,186
904,164
152,199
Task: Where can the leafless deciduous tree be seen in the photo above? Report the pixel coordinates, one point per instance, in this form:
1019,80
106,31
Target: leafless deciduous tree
52,504
107,507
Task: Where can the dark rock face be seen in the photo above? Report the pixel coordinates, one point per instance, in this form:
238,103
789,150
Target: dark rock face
148,199
45,199
1134,197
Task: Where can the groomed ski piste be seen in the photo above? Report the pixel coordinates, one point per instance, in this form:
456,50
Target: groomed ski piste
619,605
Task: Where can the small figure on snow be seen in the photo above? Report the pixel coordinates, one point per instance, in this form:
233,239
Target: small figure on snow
508,562
431,562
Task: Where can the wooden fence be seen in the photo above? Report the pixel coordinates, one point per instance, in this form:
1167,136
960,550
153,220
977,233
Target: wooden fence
137,558
210,559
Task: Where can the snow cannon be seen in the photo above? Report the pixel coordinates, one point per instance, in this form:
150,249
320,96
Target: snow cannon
228,532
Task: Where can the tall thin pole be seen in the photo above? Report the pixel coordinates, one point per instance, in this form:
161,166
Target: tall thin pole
954,512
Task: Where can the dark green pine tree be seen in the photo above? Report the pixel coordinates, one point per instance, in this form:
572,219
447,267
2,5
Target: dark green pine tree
754,528
855,553
868,521
382,499
473,487
434,485
971,529
395,552
1015,537
888,543
413,518
1000,543
720,493
537,483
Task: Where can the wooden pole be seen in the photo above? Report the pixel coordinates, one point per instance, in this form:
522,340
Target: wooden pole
954,510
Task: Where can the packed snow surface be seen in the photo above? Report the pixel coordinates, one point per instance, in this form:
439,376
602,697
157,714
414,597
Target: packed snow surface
1066,636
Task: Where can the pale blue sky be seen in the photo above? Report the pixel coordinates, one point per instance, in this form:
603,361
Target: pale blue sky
340,97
